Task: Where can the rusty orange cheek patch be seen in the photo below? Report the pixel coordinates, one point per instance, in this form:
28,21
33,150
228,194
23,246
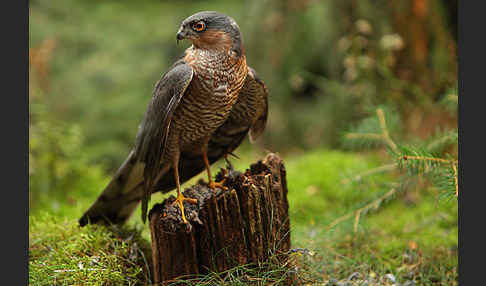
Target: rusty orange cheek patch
217,39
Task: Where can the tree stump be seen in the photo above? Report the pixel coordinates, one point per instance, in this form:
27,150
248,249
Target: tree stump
245,224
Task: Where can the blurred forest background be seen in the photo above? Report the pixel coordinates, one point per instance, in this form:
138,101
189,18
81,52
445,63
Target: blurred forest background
334,69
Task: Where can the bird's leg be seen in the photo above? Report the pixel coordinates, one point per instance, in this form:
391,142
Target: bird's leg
180,197
228,163
212,184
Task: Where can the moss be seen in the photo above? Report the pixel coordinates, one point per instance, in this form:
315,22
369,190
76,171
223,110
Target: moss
413,232
62,252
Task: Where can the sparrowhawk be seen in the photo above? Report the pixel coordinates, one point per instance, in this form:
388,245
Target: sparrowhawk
200,111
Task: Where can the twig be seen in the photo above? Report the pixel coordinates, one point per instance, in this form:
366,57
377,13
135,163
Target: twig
339,220
453,164
455,178
356,222
386,135
405,157
364,135
375,204
453,97
146,263
380,169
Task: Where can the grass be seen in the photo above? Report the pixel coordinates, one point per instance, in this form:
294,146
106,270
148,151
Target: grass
60,252
412,236
100,80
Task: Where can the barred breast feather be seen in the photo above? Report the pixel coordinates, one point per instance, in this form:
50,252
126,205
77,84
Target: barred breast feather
208,99
248,116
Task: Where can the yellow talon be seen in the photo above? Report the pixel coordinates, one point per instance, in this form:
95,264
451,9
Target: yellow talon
213,185
180,199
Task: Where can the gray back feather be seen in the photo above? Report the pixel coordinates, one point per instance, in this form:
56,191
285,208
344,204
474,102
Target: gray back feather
153,131
168,92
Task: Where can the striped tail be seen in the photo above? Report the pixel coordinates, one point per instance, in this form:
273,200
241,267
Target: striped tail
124,192
120,198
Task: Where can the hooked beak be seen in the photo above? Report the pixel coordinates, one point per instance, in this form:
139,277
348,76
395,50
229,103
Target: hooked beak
181,35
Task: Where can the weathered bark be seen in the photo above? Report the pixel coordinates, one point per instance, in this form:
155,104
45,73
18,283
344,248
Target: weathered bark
247,223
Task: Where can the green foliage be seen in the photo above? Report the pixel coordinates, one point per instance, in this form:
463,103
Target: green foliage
430,158
60,252
326,64
440,141
450,100
368,133
58,167
315,182
338,59
322,188
401,228
270,272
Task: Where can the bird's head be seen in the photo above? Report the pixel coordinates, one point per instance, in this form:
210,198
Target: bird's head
212,31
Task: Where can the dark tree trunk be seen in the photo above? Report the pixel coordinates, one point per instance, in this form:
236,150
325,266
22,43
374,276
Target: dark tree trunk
247,223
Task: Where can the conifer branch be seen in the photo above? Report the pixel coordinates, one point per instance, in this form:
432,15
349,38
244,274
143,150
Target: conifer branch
370,172
339,220
364,135
406,157
357,213
383,136
384,129
444,139
455,178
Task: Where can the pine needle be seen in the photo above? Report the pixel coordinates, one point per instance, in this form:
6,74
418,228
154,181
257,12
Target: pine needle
357,213
441,160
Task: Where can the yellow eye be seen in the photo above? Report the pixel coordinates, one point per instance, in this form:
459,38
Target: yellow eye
199,26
